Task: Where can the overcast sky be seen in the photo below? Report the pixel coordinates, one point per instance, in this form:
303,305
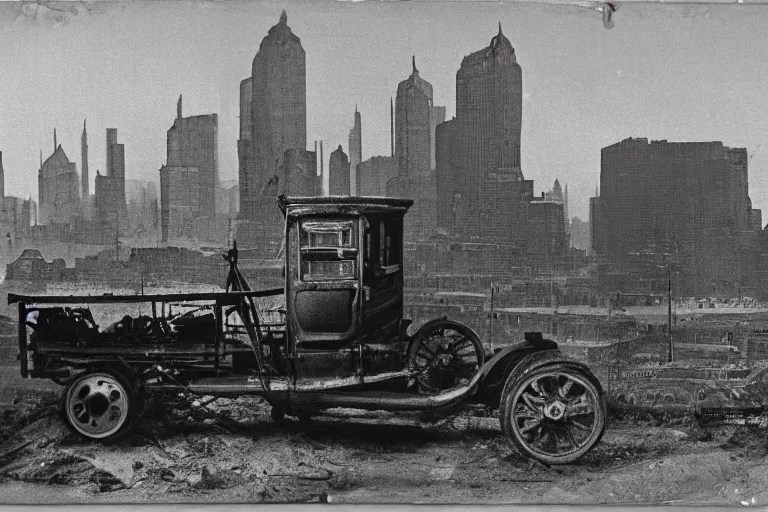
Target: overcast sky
681,73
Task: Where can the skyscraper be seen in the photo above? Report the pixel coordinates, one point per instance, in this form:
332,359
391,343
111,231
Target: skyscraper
373,175
84,188
412,124
110,188
687,200
193,142
58,188
414,148
179,201
482,191
338,173
273,119
436,117
355,153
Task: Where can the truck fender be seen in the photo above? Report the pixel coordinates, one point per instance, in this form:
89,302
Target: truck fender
553,357
521,357
428,325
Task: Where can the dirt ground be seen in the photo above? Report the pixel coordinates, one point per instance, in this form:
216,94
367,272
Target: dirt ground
187,450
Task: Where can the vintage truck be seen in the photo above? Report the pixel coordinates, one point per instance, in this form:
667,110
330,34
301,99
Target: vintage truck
334,336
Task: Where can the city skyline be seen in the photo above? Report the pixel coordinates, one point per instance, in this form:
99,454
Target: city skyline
583,90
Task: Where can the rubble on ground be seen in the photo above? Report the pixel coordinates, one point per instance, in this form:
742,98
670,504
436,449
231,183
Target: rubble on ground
202,448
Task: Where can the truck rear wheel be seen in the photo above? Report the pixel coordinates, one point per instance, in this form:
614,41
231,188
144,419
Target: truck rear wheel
100,405
445,354
554,414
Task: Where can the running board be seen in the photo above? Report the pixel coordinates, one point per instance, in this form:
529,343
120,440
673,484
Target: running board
378,401
319,395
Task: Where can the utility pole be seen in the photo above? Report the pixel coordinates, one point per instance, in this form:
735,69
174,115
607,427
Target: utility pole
490,328
669,312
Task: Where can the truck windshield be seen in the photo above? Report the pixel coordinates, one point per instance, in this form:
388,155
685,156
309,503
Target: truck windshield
328,250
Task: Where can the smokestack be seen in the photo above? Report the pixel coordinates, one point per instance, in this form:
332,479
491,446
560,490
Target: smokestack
55,145
178,108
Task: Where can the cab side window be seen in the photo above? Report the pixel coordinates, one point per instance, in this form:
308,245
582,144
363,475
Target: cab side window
382,246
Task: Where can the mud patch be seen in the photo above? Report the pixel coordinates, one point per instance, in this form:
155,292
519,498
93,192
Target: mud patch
748,441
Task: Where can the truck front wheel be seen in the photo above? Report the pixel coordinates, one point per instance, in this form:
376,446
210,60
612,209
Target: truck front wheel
100,405
554,414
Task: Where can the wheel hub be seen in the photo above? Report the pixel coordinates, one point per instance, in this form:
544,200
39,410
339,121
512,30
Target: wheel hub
554,410
97,404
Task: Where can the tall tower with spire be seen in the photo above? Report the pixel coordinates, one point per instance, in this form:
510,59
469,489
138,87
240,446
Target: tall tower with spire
483,193
355,154
84,184
273,118
415,120
412,137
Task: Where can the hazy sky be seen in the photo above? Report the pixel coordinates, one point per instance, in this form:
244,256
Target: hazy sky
681,73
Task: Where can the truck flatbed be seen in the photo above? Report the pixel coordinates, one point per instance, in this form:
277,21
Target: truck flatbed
232,297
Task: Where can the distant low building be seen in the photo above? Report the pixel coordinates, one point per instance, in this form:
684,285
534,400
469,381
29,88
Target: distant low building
31,266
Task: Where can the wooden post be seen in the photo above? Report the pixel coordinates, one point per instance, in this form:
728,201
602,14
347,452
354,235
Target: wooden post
23,338
219,333
669,312
490,327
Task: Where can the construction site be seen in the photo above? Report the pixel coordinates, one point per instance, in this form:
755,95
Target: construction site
687,431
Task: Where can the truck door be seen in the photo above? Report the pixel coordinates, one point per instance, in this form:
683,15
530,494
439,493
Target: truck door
323,288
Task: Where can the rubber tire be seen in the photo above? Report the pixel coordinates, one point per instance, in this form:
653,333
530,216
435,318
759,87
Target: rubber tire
135,406
520,375
446,324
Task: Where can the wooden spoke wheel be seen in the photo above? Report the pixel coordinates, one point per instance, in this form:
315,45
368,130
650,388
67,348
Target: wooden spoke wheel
445,355
554,414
